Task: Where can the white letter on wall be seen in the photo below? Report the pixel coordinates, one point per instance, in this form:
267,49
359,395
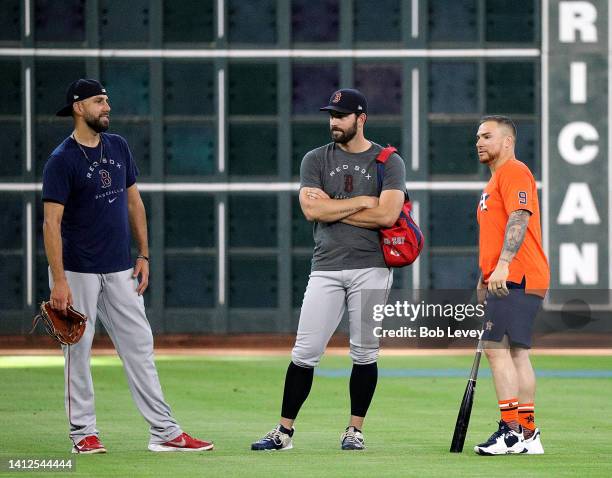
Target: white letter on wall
567,143
578,82
576,264
577,17
578,204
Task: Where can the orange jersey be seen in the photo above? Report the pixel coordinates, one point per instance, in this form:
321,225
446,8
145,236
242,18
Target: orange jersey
511,188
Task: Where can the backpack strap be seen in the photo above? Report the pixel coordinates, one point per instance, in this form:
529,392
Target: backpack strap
385,153
381,159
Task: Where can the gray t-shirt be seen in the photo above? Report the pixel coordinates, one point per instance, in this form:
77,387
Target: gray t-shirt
343,175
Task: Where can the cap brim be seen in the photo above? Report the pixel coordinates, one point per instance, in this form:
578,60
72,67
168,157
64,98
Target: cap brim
65,111
336,108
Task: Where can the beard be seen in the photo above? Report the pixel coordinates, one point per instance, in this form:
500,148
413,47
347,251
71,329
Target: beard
488,157
343,137
97,124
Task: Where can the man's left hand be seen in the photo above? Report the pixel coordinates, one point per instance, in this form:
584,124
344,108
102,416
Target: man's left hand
497,281
141,271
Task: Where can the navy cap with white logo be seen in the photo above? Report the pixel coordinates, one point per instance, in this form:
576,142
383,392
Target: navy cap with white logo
80,90
347,100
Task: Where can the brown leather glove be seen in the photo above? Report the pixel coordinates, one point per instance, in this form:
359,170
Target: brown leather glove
67,329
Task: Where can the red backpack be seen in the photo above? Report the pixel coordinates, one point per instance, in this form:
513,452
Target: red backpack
401,243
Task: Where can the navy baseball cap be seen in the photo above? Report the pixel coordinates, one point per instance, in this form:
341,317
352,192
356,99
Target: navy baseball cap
80,90
347,100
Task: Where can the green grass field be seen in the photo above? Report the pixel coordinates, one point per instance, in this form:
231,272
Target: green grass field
235,400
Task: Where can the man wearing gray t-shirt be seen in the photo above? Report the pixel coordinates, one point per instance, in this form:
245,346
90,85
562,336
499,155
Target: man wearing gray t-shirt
339,193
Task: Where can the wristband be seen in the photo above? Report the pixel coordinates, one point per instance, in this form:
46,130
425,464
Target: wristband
142,257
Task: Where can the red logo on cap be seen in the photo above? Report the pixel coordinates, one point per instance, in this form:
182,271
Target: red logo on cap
337,97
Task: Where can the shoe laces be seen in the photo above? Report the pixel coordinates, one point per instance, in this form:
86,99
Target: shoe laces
275,435
350,436
501,431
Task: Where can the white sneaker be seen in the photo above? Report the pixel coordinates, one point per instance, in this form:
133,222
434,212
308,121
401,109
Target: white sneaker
503,442
276,439
534,444
352,439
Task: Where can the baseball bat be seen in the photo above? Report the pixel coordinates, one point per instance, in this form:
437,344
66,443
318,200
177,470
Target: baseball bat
465,410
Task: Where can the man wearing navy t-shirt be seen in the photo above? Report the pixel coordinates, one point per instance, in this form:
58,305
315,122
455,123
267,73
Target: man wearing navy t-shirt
91,202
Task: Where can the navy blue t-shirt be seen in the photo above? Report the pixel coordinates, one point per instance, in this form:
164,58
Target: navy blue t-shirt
93,190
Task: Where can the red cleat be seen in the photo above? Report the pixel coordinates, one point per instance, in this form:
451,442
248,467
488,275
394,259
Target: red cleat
182,442
89,445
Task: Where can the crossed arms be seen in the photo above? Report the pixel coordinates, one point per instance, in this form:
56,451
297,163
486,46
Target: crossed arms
362,211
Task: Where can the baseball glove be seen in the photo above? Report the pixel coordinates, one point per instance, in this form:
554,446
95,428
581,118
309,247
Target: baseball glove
67,329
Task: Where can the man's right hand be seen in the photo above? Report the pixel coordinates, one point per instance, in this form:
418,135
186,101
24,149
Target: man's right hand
316,193
61,295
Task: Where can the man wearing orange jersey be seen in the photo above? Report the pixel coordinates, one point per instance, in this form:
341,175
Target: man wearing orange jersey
514,279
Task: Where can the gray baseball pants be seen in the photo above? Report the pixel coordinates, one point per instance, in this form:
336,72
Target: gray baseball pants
328,295
113,299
